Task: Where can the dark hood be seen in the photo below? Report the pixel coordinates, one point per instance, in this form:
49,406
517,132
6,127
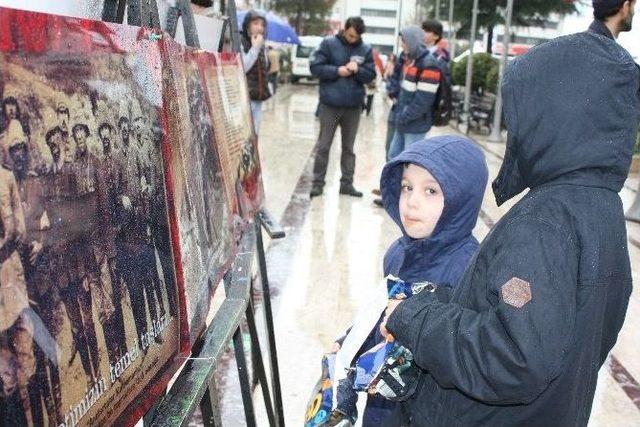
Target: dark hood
572,107
460,168
250,16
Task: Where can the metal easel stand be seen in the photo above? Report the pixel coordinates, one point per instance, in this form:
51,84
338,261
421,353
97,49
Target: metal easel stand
195,385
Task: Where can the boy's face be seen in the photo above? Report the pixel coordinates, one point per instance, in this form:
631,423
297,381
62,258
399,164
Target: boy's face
430,38
421,202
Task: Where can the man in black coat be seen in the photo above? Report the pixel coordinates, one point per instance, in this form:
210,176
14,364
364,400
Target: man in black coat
521,338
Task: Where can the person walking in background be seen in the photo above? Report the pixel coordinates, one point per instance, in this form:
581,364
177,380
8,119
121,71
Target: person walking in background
274,68
372,87
420,81
256,62
434,41
344,65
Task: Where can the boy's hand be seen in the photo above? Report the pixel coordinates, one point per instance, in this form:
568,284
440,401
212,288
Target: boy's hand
391,306
383,330
335,347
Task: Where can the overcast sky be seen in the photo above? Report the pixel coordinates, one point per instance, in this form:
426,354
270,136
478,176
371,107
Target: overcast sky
630,40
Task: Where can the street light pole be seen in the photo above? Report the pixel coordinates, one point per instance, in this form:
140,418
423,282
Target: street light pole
437,10
496,130
468,80
452,42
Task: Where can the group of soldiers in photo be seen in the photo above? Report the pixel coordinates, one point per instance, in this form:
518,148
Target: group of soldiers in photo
86,220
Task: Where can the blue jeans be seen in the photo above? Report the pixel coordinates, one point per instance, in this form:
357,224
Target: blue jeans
401,141
256,112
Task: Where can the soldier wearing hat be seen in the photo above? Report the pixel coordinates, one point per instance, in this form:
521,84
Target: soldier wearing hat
44,298
16,323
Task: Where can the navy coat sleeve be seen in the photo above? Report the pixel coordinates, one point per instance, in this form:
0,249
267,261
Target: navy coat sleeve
366,71
506,354
321,65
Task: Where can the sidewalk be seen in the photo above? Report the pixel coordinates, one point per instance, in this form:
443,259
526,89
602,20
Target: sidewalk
335,244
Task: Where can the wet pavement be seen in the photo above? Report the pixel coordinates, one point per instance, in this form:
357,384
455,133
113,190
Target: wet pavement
335,244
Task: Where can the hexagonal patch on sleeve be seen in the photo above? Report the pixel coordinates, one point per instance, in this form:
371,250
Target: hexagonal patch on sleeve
516,292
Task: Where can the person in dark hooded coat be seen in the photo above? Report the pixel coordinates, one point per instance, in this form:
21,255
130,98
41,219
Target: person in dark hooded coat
439,254
520,340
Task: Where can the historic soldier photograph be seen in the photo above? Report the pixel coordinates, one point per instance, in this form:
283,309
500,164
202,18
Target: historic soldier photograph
86,268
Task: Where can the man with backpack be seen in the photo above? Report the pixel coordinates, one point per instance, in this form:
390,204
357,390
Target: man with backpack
420,80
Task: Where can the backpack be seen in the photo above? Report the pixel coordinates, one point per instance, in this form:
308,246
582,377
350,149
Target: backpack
443,105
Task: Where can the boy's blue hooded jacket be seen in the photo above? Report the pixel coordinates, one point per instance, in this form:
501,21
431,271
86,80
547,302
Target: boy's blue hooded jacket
459,167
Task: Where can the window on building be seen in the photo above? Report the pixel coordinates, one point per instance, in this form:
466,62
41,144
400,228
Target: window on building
383,48
379,13
380,30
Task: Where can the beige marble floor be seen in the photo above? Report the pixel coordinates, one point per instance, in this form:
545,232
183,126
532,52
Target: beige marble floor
336,252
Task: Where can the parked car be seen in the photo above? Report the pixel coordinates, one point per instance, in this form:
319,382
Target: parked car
300,57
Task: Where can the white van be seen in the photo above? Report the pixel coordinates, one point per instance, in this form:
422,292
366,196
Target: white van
300,57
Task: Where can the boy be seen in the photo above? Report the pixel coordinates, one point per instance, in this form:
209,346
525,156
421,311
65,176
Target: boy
433,191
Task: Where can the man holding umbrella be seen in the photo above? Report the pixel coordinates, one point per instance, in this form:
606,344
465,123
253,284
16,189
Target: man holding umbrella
256,62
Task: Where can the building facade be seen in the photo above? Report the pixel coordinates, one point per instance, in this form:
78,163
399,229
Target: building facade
383,18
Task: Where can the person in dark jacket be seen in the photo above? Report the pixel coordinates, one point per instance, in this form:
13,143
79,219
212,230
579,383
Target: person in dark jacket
256,62
433,39
433,191
612,17
521,338
343,64
419,85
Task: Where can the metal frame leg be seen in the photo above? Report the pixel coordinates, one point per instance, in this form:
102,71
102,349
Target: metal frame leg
210,406
268,318
258,367
243,374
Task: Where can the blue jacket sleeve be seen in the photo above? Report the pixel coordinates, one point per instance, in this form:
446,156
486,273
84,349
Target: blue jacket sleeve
321,65
425,97
367,71
511,352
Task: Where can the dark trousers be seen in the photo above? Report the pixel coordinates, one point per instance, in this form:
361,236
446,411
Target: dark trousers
368,103
347,397
273,79
114,331
348,120
78,302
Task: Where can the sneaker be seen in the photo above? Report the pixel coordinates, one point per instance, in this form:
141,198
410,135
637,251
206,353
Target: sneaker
339,419
350,191
375,192
315,191
378,202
